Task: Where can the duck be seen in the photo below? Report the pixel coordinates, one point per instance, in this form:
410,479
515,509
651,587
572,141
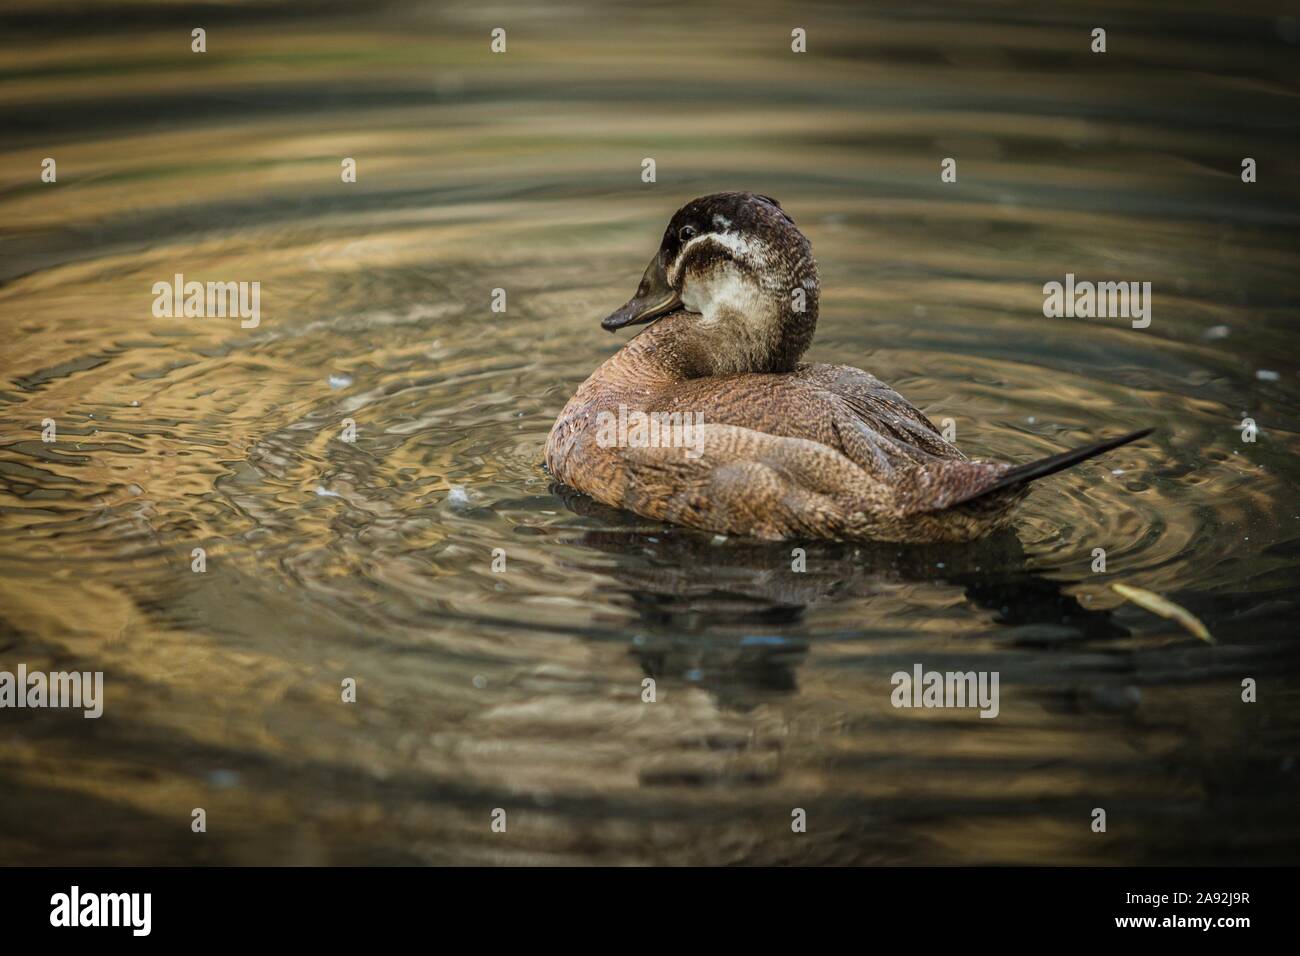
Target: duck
778,448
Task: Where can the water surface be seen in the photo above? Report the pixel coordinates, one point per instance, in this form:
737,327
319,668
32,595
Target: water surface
522,690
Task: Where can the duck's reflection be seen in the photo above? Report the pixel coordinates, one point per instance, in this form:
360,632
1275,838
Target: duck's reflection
729,613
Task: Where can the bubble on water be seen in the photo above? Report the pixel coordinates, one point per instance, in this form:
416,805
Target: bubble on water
1267,375
458,497
224,779
1218,332
326,493
340,381
480,681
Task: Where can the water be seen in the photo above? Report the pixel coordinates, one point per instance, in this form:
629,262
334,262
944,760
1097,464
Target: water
522,690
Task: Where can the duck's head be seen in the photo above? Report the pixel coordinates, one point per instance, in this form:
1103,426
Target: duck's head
744,274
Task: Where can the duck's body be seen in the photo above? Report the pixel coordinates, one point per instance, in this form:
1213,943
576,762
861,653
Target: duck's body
783,449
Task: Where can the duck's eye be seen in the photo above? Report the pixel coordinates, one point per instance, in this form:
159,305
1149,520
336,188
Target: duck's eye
687,233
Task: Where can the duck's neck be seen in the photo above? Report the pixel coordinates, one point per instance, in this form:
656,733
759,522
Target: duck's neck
741,322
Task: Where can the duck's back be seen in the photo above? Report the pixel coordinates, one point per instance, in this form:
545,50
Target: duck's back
841,407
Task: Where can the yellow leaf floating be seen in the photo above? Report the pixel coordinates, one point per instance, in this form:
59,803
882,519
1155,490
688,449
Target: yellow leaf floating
1156,604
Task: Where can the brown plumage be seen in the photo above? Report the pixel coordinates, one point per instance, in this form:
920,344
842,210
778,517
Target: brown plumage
783,449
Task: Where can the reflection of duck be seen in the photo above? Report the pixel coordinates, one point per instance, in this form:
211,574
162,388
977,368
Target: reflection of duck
728,615
773,448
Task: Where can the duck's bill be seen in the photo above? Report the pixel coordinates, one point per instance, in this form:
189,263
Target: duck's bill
654,297
639,310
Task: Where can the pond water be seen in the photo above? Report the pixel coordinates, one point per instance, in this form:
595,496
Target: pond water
521,690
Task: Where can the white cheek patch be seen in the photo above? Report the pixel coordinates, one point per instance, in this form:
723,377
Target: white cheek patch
726,291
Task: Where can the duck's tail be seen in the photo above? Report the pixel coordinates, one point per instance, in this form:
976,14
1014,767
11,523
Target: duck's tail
1023,474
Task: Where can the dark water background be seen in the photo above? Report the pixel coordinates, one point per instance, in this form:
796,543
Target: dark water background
522,690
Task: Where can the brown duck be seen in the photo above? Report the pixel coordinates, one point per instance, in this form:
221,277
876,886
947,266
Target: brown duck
707,418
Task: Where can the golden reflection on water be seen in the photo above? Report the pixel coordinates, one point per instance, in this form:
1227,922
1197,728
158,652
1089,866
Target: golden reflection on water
523,690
